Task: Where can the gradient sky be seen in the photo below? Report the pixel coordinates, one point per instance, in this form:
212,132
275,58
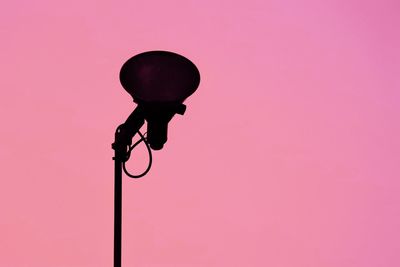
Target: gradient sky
288,154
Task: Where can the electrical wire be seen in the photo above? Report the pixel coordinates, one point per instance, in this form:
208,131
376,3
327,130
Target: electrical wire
142,139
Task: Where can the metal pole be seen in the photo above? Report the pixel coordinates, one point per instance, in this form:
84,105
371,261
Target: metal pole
117,211
123,139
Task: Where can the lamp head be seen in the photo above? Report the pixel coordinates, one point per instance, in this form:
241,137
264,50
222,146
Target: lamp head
159,82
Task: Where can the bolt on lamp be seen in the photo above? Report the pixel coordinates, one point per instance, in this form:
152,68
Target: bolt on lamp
159,82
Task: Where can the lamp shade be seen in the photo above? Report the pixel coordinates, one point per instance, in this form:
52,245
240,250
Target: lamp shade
159,77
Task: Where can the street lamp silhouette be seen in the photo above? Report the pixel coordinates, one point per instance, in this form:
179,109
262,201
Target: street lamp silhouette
159,82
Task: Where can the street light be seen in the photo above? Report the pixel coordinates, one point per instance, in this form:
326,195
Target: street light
159,82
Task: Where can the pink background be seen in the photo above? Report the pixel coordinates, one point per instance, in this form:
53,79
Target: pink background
288,155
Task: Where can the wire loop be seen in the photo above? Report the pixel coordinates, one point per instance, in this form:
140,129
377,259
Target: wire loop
142,139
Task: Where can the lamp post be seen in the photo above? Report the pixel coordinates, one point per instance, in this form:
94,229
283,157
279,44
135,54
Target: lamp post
159,82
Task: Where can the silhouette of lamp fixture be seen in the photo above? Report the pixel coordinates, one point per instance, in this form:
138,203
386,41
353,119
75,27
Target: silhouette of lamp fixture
159,82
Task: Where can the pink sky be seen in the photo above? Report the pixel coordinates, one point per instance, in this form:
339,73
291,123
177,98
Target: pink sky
288,154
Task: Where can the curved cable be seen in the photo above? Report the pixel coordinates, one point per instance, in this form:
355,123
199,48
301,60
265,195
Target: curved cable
142,138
